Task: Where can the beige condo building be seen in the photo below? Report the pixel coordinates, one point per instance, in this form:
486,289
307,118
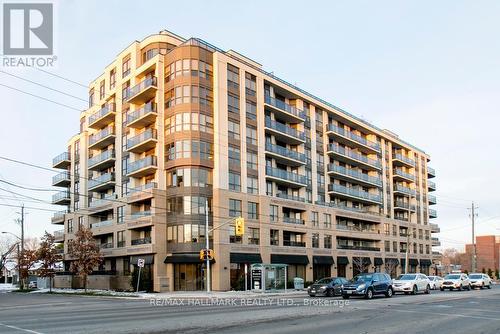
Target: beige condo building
174,123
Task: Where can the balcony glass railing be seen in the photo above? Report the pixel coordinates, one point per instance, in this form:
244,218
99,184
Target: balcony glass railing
354,174
63,176
146,83
148,161
290,197
401,157
432,213
103,223
354,137
60,196
432,199
399,172
355,247
285,152
60,158
136,114
355,228
405,190
404,205
59,214
431,171
292,243
353,155
431,185
101,179
285,107
293,220
139,214
354,192
284,129
108,199
285,175
142,137
101,135
142,241
142,188
96,159
108,108
59,234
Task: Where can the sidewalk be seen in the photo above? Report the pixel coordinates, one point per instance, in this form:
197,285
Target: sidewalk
4,287
222,294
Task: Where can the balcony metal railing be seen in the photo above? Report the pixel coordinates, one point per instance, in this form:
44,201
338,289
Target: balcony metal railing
292,243
142,137
136,114
405,190
108,108
285,152
65,156
284,129
285,107
110,130
399,172
103,223
293,220
106,245
354,192
354,137
61,195
63,176
354,155
142,241
101,179
355,228
285,175
355,247
96,159
59,214
399,156
354,174
290,197
148,161
146,83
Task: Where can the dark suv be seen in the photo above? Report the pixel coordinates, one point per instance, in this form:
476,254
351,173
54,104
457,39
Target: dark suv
368,285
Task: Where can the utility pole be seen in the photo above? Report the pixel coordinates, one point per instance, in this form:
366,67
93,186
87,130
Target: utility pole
474,254
21,222
407,255
207,246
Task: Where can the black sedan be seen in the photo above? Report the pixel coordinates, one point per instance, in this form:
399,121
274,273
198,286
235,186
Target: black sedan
331,286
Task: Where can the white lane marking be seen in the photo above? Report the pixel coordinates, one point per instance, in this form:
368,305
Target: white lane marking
20,329
34,305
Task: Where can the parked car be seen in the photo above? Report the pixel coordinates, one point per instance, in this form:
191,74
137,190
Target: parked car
436,282
368,285
330,286
32,285
456,281
479,280
412,283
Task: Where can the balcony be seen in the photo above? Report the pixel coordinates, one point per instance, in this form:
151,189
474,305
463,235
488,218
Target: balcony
431,186
434,228
362,248
102,182
287,111
435,241
106,245
61,180
431,172
142,92
285,177
284,132
142,167
350,138
292,243
102,138
141,193
285,155
400,175
142,142
353,158
293,220
58,217
102,203
102,161
353,194
142,117
432,199
404,206
62,161
141,241
351,175
400,160
290,197
432,213
102,117
61,198
59,235
103,223
399,189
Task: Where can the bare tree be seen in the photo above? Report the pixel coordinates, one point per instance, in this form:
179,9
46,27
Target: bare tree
361,264
390,267
6,244
49,256
25,261
85,254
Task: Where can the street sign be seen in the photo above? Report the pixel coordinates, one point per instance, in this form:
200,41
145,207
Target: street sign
140,263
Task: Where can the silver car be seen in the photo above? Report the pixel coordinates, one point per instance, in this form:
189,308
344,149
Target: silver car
456,281
435,282
411,283
479,280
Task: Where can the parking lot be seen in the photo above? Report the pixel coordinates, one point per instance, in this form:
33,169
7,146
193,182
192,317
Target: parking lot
476,311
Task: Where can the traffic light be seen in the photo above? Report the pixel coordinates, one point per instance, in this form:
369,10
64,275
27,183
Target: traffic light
211,254
239,226
203,254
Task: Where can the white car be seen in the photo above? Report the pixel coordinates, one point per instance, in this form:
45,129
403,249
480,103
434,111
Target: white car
479,280
436,282
456,281
411,283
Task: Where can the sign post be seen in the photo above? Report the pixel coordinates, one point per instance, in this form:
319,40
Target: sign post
140,264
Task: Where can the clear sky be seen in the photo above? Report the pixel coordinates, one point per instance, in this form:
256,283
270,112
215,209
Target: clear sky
427,70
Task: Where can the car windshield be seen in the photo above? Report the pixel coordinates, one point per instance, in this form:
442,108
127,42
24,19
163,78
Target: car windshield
452,277
323,281
476,276
361,278
406,277
432,278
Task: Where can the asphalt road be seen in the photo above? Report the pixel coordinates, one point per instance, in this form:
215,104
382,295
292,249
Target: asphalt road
440,312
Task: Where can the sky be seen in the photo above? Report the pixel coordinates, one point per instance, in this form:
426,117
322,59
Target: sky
427,70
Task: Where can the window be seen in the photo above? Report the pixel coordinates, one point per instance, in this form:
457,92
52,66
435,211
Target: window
120,213
253,236
70,225
234,208
427,249
250,84
269,188
233,77
273,209
188,94
126,266
189,177
120,235
233,238
126,67
80,223
234,155
394,246
421,249
102,90
186,233
234,181
251,110
275,237
189,149
253,210
327,241
149,54
252,185
233,130
188,205
327,220
315,219
189,121
91,98
251,160
315,240
387,245
233,103
112,78
188,67
251,135
386,229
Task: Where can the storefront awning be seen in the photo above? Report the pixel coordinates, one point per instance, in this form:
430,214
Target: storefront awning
185,258
392,260
326,260
148,259
342,260
245,258
289,259
378,261
425,263
412,262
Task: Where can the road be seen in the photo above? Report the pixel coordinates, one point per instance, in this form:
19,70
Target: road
440,312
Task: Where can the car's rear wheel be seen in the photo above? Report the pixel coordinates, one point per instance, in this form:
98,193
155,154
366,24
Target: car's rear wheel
460,288
330,293
369,294
427,290
414,290
468,287
489,286
389,293
482,286
442,289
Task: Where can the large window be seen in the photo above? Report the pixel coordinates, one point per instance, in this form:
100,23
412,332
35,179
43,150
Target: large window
188,94
189,149
250,84
189,177
315,219
274,237
253,210
315,240
233,103
253,236
251,160
189,121
234,155
188,205
187,233
234,208
234,181
252,185
327,241
273,213
233,130
251,110
233,76
233,238
251,135
327,220
188,67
